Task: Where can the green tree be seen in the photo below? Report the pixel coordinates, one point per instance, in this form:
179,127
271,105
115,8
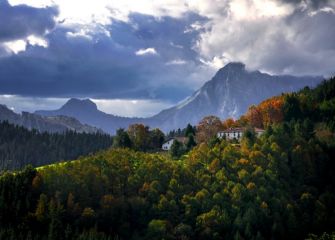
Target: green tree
190,130
158,229
291,107
177,149
41,210
156,138
122,140
190,142
140,136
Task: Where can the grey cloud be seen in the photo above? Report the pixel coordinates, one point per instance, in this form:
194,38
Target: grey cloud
309,50
300,42
314,4
30,104
107,67
21,21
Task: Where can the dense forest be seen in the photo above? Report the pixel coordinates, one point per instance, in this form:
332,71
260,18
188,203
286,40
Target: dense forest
139,138
20,146
278,186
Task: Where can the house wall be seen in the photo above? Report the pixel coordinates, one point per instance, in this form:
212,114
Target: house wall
230,135
167,146
259,133
235,135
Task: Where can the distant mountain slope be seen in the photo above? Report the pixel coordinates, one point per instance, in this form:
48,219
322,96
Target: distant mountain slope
44,124
87,112
228,94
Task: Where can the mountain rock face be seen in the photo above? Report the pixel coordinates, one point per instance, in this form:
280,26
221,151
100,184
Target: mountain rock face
45,124
228,94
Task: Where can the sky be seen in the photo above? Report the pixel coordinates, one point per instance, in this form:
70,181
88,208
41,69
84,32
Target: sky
135,58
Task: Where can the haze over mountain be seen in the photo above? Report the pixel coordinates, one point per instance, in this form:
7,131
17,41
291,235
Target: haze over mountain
44,124
228,94
87,112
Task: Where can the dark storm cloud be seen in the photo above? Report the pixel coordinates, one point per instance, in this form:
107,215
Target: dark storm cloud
296,39
315,4
166,35
311,48
21,21
100,66
100,61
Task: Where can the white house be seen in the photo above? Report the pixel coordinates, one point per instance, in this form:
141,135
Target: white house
167,145
237,133
259,131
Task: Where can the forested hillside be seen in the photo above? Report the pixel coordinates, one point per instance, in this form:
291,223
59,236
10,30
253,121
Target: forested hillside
278,186
311,106
20,146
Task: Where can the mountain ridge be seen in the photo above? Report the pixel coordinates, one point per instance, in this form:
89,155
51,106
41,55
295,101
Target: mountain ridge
95,118
228,94
51,124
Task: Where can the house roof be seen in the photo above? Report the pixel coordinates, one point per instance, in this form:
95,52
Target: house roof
179,139
240,129
229,130
168,140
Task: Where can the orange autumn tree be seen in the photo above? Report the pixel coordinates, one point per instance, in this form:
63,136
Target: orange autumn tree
229,123
267,112
207,128
272,110
242,121
255,117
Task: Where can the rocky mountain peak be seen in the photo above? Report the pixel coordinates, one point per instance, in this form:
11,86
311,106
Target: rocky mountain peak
232,67
84,104
44,123
3,107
